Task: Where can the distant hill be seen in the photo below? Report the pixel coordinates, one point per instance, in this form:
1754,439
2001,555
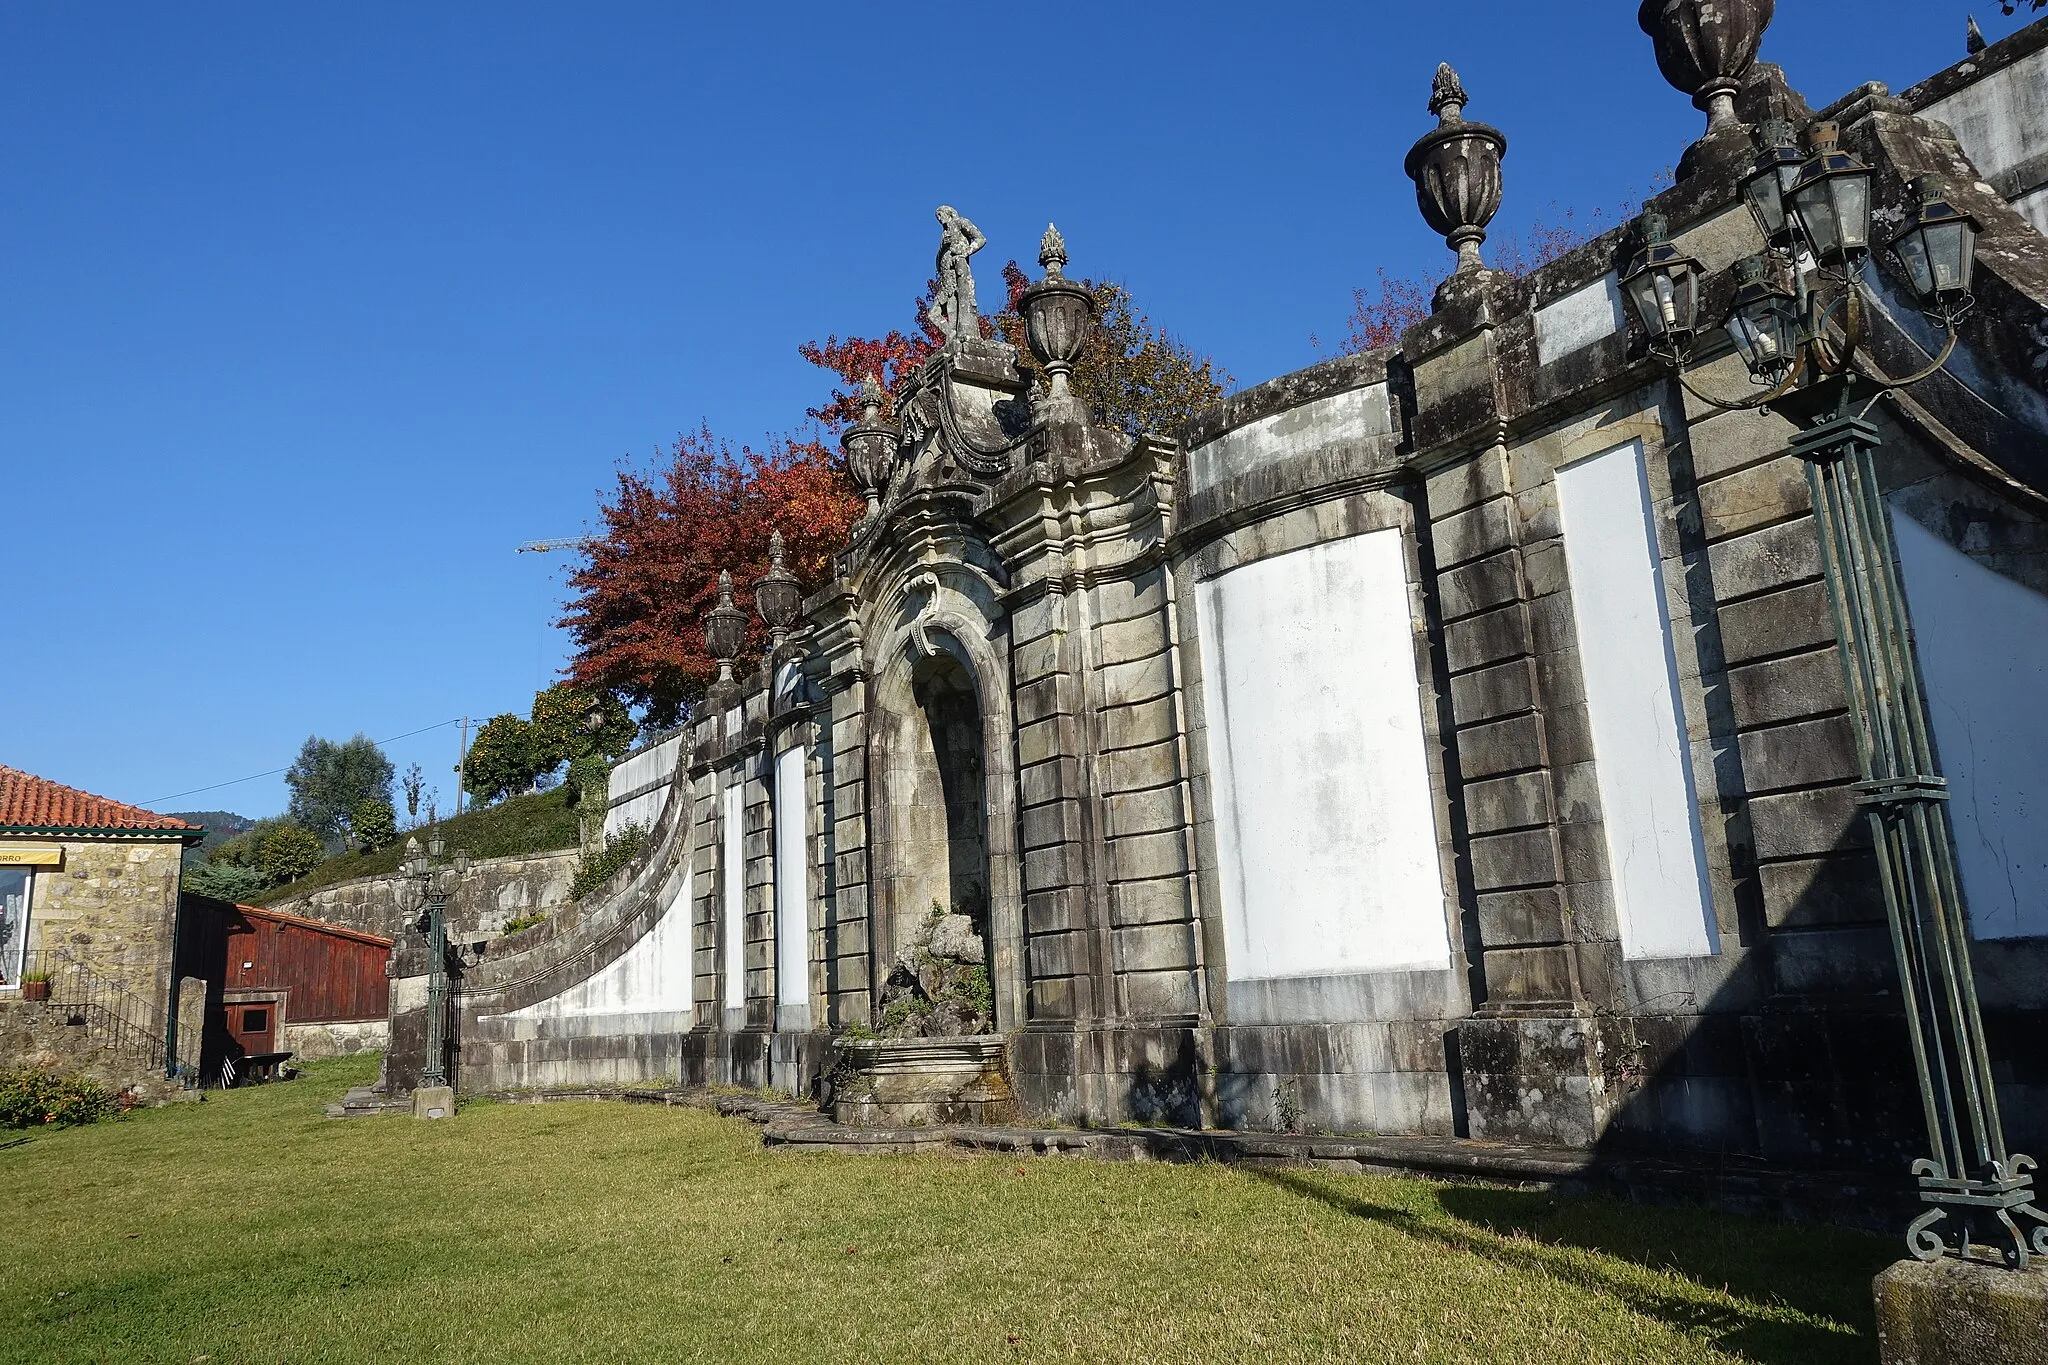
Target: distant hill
220,826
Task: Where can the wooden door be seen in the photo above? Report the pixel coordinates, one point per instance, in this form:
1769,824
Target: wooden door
252,1027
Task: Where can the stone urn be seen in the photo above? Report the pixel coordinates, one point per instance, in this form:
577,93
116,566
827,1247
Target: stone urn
920,1082
1704,47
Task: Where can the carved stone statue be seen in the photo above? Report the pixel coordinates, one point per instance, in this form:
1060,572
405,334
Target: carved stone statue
953,311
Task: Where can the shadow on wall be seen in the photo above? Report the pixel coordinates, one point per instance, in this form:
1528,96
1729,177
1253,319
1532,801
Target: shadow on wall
1788,1295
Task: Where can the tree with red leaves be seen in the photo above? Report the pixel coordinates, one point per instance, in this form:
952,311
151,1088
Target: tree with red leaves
641,595
646,583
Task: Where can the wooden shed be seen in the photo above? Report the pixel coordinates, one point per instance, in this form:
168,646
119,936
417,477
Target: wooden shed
279,982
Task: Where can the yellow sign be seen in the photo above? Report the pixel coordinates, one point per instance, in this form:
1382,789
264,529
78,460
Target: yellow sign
31,855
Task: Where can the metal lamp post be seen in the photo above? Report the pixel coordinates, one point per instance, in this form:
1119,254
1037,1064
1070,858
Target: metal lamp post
1799,343
436,880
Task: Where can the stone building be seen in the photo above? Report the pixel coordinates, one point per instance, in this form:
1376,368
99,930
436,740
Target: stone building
1448,739
88,881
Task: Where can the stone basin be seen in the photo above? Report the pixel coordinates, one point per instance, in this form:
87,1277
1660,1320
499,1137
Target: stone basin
911,1082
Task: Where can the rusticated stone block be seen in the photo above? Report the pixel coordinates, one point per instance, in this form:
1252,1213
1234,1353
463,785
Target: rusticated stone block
1776,556
1786,689
1479,586
1531,916
1501,804
1478,641
1502,747
1801,824
1803,754
1511,860
1752,498
1935,1312
1491,693
1841,889
1797,618
1482,530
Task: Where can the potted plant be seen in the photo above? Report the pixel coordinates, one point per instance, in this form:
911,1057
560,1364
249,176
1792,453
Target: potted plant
35,985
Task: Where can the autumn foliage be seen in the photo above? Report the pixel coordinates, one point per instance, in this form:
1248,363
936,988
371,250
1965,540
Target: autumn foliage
646,582
637,614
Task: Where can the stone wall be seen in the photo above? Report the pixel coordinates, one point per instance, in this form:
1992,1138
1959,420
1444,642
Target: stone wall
345,1038
113,907
40,1035
497,889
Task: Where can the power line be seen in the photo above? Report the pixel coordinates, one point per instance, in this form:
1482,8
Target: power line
158,800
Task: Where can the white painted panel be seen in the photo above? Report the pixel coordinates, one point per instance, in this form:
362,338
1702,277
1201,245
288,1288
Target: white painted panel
2001,120
653,768
654,974
792,884
732,867
1353,415
1984,656
2033,207
1578,319
1325,824
1654,851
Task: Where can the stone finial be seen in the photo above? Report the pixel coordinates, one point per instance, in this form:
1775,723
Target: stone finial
1447,95
1973,37
869,446
1052,252
1057,315
725,628
777,594
1705,47
1456,170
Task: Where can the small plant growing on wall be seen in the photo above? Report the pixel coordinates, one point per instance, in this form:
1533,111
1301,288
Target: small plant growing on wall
597,865
31,1097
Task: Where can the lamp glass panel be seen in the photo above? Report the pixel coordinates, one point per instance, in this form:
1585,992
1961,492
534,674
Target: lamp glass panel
1815,209
1912,249
1949,254
1766,201
1852,209
1642,291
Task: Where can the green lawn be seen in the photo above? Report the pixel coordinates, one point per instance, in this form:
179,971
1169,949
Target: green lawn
249,1228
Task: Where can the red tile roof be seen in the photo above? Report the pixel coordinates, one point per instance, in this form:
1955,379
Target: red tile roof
28,802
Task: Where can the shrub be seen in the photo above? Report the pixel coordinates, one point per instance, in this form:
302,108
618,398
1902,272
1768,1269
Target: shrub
288,853
224,881
373,823
598,865
31,1097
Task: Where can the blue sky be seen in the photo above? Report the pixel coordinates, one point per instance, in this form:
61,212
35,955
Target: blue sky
310,314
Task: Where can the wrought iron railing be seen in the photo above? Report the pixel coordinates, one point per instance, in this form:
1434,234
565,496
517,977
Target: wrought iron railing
113,1016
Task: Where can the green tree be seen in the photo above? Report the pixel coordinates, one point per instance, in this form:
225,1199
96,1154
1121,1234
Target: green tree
328,780
288,853
501,759
570,722
373,824
240,851
223,881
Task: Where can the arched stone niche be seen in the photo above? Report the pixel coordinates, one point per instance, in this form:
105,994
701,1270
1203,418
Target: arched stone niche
943,783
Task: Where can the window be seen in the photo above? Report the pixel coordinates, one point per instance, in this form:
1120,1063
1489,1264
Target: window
255,1021
15,883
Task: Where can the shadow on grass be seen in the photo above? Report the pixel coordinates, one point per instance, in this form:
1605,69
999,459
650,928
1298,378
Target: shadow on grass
1793,1295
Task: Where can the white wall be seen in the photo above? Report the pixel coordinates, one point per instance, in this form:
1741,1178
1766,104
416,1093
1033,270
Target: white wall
1983,643
654,974
2003,119
652,767
1655,854
1325,823
792,893
1576,320
732,868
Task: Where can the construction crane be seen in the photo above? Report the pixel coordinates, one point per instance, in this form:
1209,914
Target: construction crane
559,543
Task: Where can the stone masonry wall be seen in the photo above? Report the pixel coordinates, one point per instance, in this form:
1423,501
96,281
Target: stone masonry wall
498,889
113,907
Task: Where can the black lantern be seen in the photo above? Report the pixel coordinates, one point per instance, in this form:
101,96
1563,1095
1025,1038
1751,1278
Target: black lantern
1770,178
1830,201
1664,284
1763,321
1938,248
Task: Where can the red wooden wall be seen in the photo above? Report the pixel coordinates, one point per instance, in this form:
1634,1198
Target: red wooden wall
326,973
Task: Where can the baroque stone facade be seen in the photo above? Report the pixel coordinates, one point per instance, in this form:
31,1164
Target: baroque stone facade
1449,739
